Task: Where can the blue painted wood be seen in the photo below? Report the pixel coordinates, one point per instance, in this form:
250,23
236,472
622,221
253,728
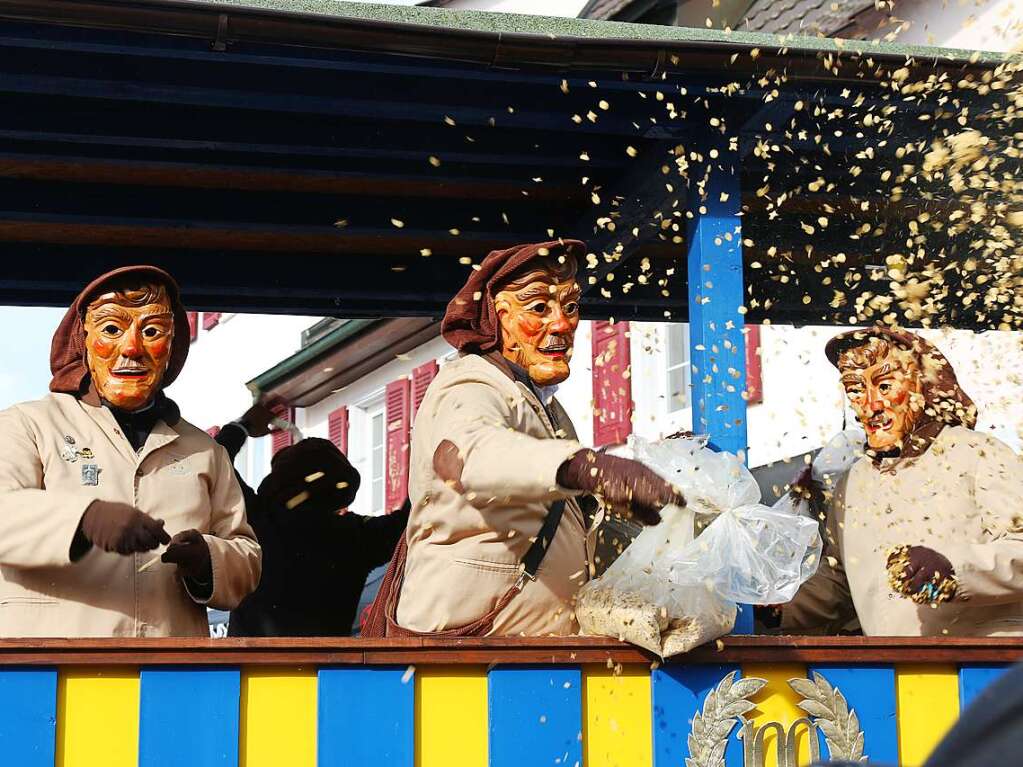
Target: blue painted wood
536,716
366,717
870,691
189,711
678,693
716,341
975,678
28,716
717,346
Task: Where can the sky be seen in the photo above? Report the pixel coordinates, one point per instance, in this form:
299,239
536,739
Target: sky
25,351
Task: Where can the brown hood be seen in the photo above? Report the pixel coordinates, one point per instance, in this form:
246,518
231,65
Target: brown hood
946,404
470,323
68,364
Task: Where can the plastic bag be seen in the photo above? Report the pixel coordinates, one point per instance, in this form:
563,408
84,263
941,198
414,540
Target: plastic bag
829,465
670,592
637,601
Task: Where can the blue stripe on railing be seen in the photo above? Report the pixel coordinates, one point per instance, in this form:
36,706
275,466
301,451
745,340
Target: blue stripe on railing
189,716
974,678
28,716
677,694
869,689
535,716
366,717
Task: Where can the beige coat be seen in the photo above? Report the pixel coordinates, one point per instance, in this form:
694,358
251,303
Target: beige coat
962,498
465,545
180,475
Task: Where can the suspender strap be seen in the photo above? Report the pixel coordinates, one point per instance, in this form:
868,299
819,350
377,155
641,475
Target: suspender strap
531,561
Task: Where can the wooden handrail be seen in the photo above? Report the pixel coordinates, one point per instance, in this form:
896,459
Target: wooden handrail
320,651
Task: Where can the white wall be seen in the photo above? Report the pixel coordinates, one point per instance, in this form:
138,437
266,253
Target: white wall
988,25
211,390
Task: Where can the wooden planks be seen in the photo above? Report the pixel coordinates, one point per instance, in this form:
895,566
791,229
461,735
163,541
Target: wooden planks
451,717
535,716
189,711
28,716
928,705
366,717
329,651
278,717
617,717
97,717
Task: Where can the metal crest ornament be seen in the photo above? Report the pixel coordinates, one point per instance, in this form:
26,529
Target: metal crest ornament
723,708
728,703
832,715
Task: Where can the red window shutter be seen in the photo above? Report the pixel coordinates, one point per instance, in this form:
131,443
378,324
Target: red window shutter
421,378
337,428
193,325
210,320
612,385
398,396
281,438
213,431
754,372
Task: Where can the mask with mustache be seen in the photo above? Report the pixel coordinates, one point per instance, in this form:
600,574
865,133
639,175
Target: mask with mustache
128,338
882,382
539,313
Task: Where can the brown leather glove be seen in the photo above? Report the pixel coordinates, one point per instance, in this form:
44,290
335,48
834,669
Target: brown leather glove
189,551
625,485
922,574
119,527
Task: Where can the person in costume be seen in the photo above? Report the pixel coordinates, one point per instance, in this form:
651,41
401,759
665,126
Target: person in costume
924,534
316,555
500,539
102,472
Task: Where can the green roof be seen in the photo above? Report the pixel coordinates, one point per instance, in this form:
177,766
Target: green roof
486,22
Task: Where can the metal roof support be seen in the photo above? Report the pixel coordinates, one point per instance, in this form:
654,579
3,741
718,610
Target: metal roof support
717,345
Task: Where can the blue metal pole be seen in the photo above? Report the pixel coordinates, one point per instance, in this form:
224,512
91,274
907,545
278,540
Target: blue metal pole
717,347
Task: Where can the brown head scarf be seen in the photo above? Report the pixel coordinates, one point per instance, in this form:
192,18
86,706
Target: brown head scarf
945,404
68,363
470,323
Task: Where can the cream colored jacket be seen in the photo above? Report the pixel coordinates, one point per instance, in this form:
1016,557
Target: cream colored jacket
465,543
180,475
962,498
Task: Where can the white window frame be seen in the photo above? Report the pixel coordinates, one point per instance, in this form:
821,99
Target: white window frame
674,404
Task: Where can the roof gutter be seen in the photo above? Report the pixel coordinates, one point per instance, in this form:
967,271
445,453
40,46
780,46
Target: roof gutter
492,39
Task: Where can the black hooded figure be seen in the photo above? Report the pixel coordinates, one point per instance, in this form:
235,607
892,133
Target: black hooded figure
316,556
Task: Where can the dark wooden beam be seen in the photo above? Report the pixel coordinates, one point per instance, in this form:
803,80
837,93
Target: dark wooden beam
319,651
253,178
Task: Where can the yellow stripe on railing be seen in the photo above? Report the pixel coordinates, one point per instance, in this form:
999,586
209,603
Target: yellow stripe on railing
927,702
98,717
778,702
617,720
451,716
278,717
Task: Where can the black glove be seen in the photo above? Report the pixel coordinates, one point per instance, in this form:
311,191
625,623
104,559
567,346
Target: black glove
189,551
122,528
623,484
922,574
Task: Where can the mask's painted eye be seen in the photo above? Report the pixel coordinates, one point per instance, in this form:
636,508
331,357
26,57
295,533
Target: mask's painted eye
538,307
571,308
110,329
152,332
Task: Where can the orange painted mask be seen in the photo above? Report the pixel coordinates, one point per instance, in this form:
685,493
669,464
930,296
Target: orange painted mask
883,384
128,339
539,314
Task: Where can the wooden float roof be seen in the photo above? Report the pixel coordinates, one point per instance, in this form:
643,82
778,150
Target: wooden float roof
275,155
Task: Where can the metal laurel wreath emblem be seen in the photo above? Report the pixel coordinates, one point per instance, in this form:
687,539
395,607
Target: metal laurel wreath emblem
728,703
